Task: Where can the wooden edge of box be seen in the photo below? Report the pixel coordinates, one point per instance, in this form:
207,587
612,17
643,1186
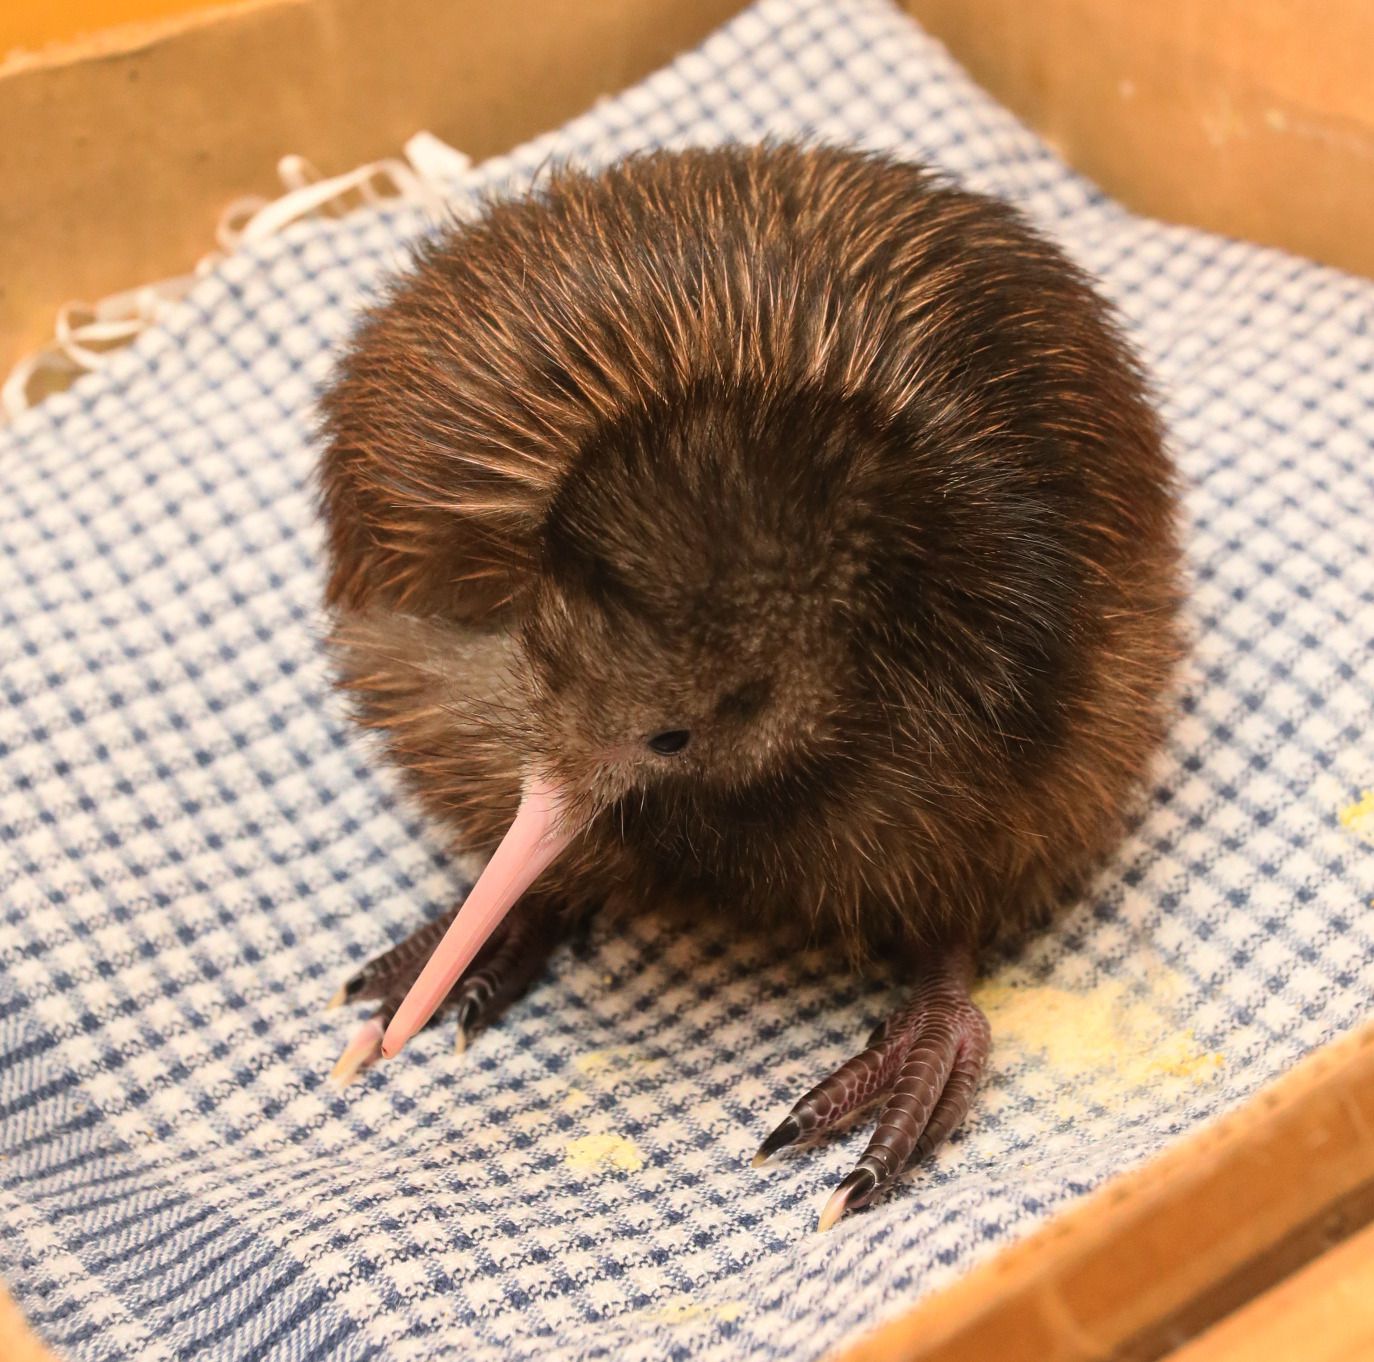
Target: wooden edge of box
18,1342
1322,1313
100,44
1161,1253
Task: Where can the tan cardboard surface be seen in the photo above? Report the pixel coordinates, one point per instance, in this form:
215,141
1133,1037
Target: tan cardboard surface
118,156
1249,116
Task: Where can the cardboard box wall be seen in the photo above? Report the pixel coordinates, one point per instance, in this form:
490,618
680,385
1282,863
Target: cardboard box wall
117,154
1254,117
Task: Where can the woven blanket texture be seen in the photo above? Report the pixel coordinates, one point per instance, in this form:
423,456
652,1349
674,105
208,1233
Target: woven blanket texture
196,847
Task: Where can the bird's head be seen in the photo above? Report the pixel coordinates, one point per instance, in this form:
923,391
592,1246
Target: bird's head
691,623
704,575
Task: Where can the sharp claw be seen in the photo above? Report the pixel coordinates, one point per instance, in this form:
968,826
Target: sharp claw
465,1011
362,1050
854,1190
348,991
789,1132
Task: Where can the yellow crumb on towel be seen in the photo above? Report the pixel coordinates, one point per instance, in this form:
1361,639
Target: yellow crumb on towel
604,1150
685,1310
1098,1044
616,1063
1359,817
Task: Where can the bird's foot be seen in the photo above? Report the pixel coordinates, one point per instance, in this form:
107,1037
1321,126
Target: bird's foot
501,972
924,1061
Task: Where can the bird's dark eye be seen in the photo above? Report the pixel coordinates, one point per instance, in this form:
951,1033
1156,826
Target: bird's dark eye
666,744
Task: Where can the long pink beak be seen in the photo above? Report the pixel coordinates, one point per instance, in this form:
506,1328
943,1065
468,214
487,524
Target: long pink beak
531,842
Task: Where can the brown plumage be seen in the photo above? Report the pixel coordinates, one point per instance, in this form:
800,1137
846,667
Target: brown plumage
842,472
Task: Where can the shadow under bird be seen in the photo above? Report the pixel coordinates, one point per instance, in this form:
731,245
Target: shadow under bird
780,532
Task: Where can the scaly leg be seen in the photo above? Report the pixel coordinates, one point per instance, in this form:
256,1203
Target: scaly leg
501,972
927,1057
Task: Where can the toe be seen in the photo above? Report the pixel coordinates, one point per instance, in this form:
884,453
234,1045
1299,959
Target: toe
463,1019
852,1193
789,1132
347,992
847,1092
361,1051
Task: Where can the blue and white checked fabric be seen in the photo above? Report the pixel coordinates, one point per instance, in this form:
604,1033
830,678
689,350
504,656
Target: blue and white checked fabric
195,847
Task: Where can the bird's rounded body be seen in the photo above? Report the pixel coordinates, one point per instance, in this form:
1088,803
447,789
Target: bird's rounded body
777,532
866,454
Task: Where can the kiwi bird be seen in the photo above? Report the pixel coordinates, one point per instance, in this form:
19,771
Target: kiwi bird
780,532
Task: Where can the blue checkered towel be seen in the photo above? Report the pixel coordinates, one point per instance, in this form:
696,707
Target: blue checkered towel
195,847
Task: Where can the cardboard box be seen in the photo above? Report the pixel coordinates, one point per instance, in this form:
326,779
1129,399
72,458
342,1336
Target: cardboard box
1255,118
